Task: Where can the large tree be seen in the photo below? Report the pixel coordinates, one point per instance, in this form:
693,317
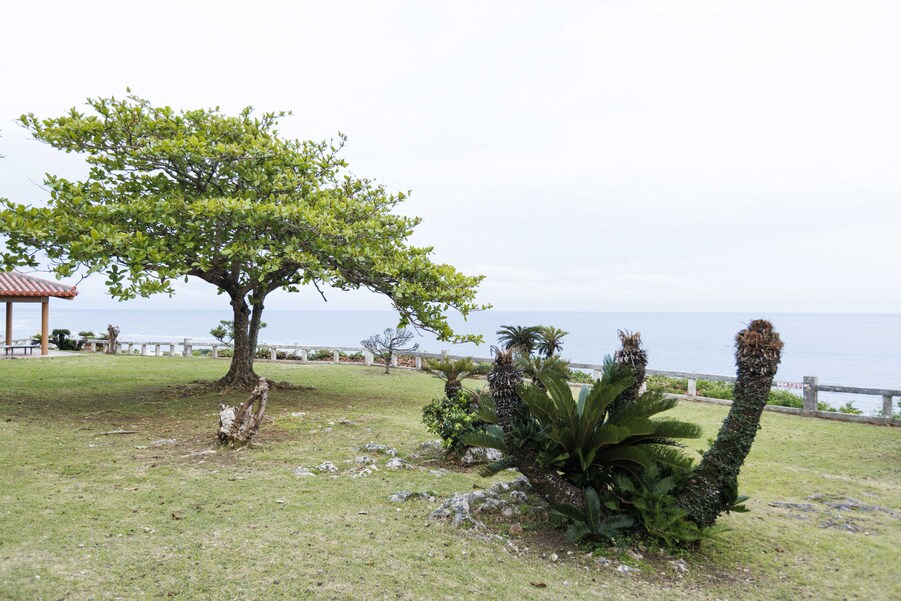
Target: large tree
226,199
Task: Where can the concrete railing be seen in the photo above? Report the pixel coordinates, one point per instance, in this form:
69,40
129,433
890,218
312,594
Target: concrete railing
302,352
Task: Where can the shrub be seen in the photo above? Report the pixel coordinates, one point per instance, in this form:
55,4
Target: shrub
452,418
577,375
725,390
650,499
320,355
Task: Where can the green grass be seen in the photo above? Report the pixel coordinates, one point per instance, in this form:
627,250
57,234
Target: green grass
91,516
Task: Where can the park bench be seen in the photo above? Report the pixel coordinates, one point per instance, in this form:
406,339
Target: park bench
26,348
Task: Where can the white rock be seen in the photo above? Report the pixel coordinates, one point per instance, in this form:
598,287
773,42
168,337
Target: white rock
303,471
327,466
395,463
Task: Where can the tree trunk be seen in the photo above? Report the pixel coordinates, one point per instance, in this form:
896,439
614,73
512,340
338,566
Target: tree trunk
713,486
237,425
549,485
452,387
240,372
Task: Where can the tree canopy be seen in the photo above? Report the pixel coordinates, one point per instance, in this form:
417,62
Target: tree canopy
226,199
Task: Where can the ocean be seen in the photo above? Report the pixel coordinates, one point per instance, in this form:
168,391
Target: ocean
845,349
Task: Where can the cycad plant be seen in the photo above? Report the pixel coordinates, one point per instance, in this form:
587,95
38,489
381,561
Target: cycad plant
594,521
537,367
521,339
589,441
454,371
550,340
633,358
712,488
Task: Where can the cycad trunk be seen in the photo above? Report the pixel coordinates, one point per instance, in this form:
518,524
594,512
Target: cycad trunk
502,382
452,387
635,358
713,486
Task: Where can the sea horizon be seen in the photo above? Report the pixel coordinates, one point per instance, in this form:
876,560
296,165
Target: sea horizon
852,349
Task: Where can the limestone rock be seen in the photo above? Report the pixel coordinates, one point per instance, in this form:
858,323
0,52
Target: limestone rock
327,466
479,455
396,463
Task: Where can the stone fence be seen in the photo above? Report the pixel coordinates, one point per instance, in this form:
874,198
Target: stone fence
810,386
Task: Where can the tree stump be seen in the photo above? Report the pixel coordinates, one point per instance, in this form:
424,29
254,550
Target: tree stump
238,425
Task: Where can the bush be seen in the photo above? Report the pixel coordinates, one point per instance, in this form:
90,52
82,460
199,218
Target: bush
724,390
452,418
577,375
321,355
650,500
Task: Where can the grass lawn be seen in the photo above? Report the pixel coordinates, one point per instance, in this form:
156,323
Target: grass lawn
90,516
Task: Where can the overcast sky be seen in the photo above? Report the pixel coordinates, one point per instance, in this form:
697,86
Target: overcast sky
646,156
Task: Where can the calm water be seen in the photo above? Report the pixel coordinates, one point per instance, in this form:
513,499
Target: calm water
849,349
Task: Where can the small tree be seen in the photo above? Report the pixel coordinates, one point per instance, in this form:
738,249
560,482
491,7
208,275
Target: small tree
387,344
227,200
550,340
454,371
225,331
521,339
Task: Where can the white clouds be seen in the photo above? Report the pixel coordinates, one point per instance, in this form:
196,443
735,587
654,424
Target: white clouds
581,155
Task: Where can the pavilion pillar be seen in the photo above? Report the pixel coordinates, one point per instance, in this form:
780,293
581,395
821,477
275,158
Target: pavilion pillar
45,326
9,322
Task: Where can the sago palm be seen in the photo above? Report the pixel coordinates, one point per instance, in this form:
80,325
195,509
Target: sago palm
536,367
550,340
521,339
590,442
454,371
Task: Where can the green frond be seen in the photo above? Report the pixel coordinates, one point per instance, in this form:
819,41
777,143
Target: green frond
492,437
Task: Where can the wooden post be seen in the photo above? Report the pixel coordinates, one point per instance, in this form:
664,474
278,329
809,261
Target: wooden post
45,326
336,356
692,387
887,406
9,322
810,395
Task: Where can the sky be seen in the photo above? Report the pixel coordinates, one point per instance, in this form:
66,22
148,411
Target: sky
583,156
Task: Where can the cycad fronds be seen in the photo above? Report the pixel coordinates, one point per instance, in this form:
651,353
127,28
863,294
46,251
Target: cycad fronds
588,441
592,522
522,339
454,371
550,340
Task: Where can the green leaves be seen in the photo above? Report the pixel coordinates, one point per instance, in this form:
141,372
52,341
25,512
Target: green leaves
588,441
224,198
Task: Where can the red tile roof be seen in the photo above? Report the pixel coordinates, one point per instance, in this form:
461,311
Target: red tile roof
17,284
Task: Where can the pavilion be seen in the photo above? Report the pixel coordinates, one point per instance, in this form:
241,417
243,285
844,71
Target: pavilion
19,288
